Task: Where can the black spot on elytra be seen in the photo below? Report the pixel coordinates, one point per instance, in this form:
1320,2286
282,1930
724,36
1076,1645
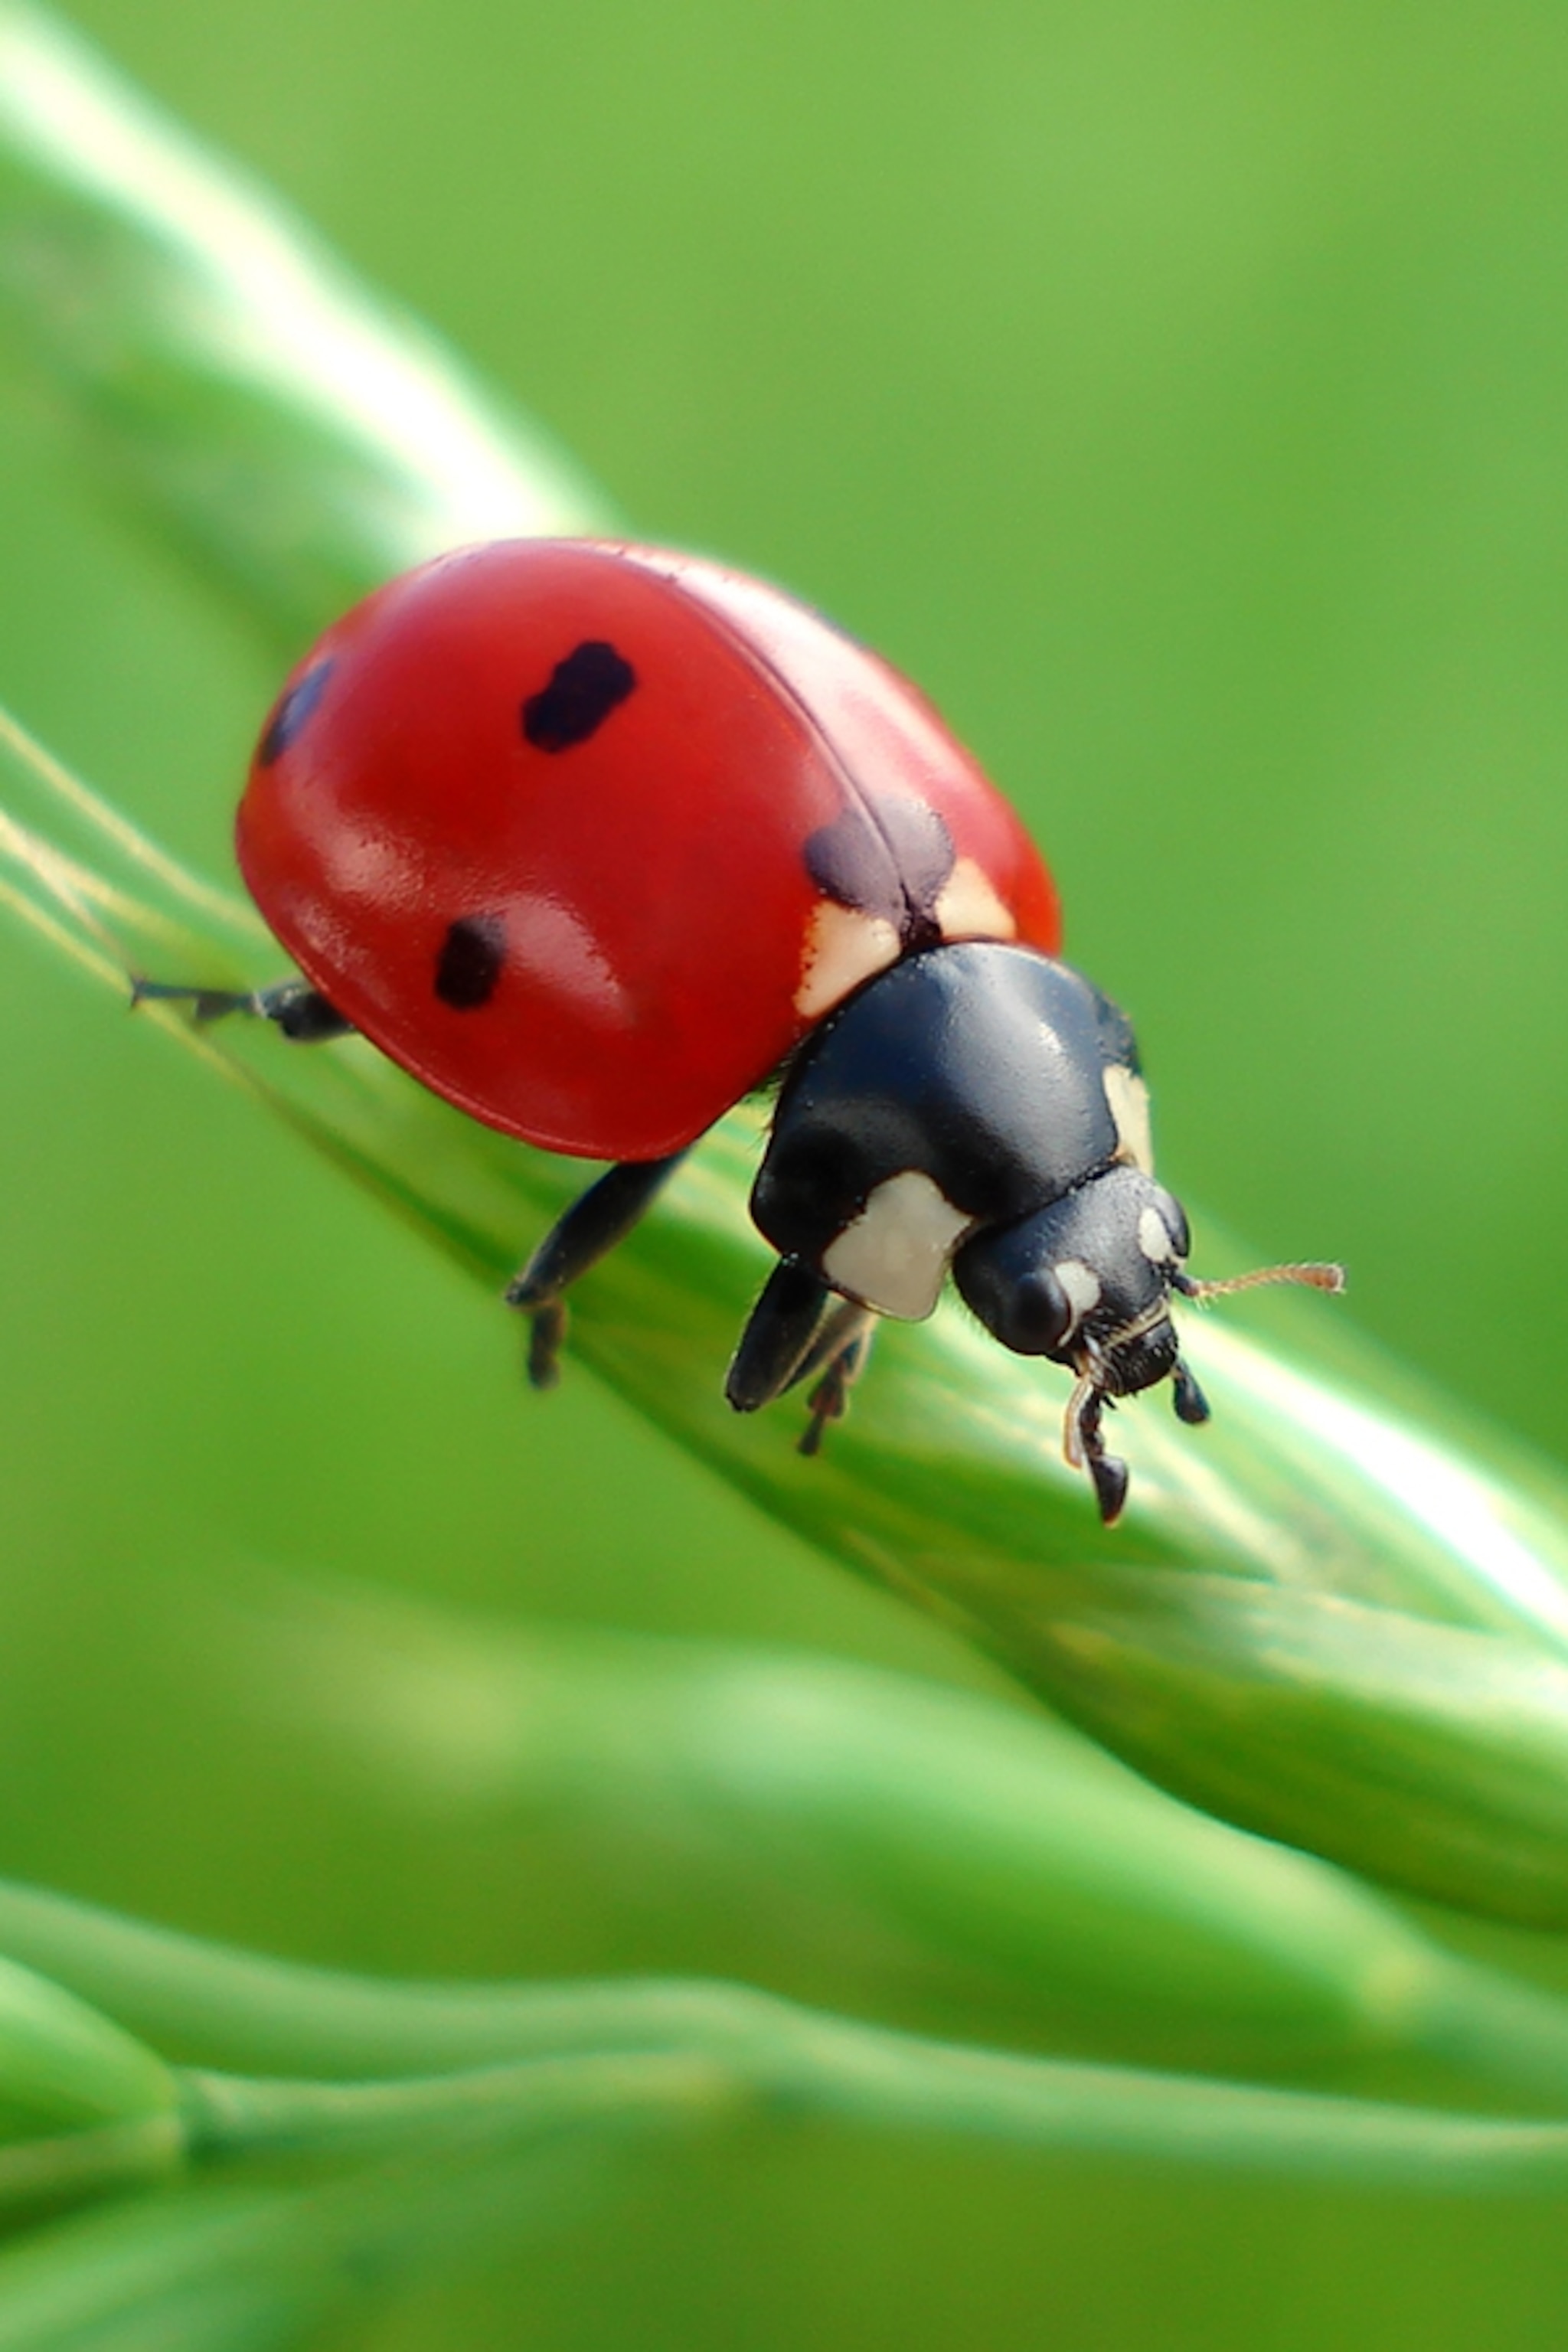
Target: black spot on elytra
894,866
583,691
469,963
291,712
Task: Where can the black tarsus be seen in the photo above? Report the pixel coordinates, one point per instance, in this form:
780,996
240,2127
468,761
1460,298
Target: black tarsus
1108,1471
1191,1405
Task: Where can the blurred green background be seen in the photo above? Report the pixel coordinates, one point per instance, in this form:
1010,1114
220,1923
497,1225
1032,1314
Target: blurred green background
1181,394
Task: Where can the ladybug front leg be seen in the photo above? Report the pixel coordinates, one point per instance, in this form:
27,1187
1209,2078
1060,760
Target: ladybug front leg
1084,1446
776,1343
588,1230
301,1011
798,1329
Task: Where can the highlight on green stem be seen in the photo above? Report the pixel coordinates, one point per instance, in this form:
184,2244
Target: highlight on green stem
293,427
1336,1617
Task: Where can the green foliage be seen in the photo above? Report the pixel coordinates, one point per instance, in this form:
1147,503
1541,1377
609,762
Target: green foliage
1339,1617
1320,1581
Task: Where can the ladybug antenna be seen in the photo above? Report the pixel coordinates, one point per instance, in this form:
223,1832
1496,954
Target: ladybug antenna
1305,1277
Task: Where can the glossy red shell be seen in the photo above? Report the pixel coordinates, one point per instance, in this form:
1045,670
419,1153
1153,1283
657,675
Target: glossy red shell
672,901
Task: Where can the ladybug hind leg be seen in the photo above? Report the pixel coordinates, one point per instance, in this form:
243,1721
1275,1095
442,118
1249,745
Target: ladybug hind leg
586,1232
300,1010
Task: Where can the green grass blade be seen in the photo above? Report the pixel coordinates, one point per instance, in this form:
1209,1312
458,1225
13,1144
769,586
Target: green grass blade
65,2067
1331,1616
85,2108
1318,1581
238,2268
301,434
785,2063
1147,1932
990,1849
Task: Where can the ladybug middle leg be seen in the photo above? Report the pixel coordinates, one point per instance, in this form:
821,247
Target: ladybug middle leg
838,1353
586,1232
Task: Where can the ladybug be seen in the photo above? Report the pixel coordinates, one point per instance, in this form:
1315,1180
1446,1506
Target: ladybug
594,839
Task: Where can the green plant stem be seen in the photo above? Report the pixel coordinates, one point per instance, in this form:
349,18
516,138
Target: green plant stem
242,2268
1337,1616
1489,2037
787,2063
72,2166
230,2116
1331,1653
300,434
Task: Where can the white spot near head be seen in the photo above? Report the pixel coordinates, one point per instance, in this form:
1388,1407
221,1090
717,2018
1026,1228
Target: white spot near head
969,908
1129,1099
1082,1284
843,947
895,1255
1155,1236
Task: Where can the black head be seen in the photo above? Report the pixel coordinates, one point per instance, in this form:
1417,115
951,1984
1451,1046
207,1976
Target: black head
1085,1281
1088,1282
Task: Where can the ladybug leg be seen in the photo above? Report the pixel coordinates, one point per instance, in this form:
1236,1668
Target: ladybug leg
799,1331
840,1350
299,1009
301,1013
775,1348
1191,1405
1084,1446
591,1228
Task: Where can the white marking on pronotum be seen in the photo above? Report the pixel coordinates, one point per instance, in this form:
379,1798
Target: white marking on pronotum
894,1255
1155,1236
969,908
1082,1284
843,947
1129,1099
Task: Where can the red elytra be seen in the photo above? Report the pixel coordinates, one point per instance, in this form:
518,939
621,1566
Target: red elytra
588,837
